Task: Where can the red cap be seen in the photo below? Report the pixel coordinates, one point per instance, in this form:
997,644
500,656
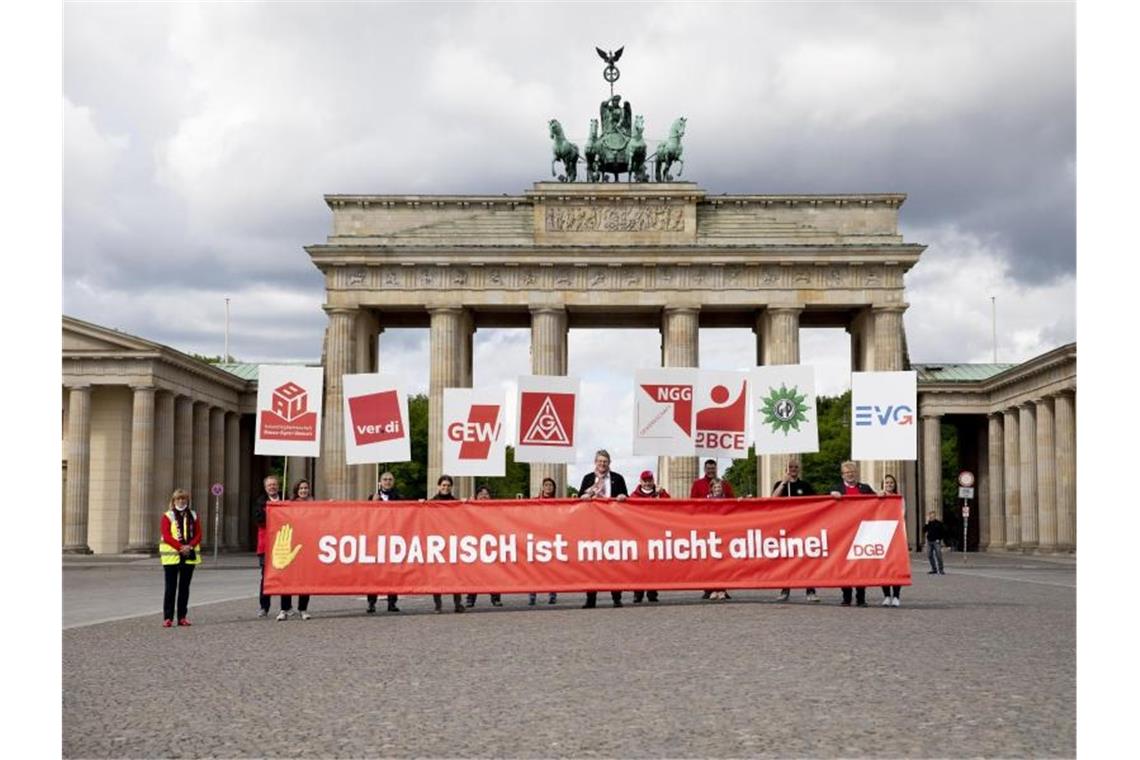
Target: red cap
647,475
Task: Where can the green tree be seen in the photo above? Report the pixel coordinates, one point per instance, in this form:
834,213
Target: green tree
515,481
411,477
207,359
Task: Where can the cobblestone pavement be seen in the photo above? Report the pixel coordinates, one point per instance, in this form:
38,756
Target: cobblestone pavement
979,662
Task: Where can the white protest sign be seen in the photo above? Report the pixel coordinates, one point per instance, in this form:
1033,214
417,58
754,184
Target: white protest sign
375,419
883,410
289,400
721,414
663,411
474,431
784,419
547,419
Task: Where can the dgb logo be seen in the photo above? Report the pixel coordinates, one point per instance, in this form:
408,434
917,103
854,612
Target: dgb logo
873,539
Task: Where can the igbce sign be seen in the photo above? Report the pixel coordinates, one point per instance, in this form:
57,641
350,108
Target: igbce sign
288,410
722,414
663,411
474,440
375,419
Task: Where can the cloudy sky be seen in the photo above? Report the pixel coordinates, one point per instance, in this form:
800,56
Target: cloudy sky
200,139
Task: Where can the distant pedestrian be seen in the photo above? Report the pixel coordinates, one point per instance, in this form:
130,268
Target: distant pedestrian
934,531
850,486
179,551
891,593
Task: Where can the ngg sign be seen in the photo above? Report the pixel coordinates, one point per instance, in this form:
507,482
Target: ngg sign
873,539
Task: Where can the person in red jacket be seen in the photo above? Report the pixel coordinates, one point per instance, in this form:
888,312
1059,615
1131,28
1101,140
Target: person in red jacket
179,551
647,488
271,493
703,486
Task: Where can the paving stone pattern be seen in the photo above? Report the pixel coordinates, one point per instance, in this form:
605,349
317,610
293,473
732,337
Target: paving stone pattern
979,662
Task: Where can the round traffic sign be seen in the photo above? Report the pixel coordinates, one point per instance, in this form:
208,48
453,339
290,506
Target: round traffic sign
217,489
965,478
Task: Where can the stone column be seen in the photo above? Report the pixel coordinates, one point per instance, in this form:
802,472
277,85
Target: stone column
548,356
1012,480
142,532
680,347
983,488
781,338
464,487
932,464
231,481
1046,478
334,479
200,479
448,370
78,470
888,320
163,454
1065,433
183,443
1027,428
366,334
996,465
245,482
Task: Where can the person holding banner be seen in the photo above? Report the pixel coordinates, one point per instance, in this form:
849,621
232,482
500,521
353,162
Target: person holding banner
271,492
647,489
443,493
302,491
890,593
602,483
179,550
850,486
483,493
791,485
718,489
702,486
385,491
548,490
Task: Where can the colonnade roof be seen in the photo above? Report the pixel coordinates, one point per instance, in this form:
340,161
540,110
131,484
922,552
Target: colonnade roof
958,373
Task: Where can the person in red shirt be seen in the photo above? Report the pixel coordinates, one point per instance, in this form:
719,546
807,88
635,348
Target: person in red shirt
850,486
179,551
702,486
647,489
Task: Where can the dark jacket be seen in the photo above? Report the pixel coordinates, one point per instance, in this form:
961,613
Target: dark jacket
443,497
393,495
617,484
934,530
798,488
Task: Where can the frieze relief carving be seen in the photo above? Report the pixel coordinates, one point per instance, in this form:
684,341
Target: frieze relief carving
616,219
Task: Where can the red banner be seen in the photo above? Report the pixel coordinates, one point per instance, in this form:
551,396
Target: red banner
520,546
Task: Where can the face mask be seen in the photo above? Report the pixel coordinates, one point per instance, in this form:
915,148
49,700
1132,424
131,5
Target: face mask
182,506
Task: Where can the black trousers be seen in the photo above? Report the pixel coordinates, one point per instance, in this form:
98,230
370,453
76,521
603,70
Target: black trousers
592,597
438,599
373,597
860,594
472,597
262,599
302,602
177,580
892,591
639,595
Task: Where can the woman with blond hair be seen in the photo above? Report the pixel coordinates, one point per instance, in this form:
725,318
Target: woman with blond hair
179,551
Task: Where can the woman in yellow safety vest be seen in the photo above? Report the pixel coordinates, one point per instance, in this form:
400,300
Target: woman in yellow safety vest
179,549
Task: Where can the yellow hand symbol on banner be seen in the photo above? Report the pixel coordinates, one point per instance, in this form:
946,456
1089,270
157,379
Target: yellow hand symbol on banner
283,550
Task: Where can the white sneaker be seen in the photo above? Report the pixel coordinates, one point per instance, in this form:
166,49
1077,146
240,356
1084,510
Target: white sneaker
812,597
783,597
282,615
305,615
886,601
895,602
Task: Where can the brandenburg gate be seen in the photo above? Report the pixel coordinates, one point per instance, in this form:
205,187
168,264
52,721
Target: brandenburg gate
664,255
